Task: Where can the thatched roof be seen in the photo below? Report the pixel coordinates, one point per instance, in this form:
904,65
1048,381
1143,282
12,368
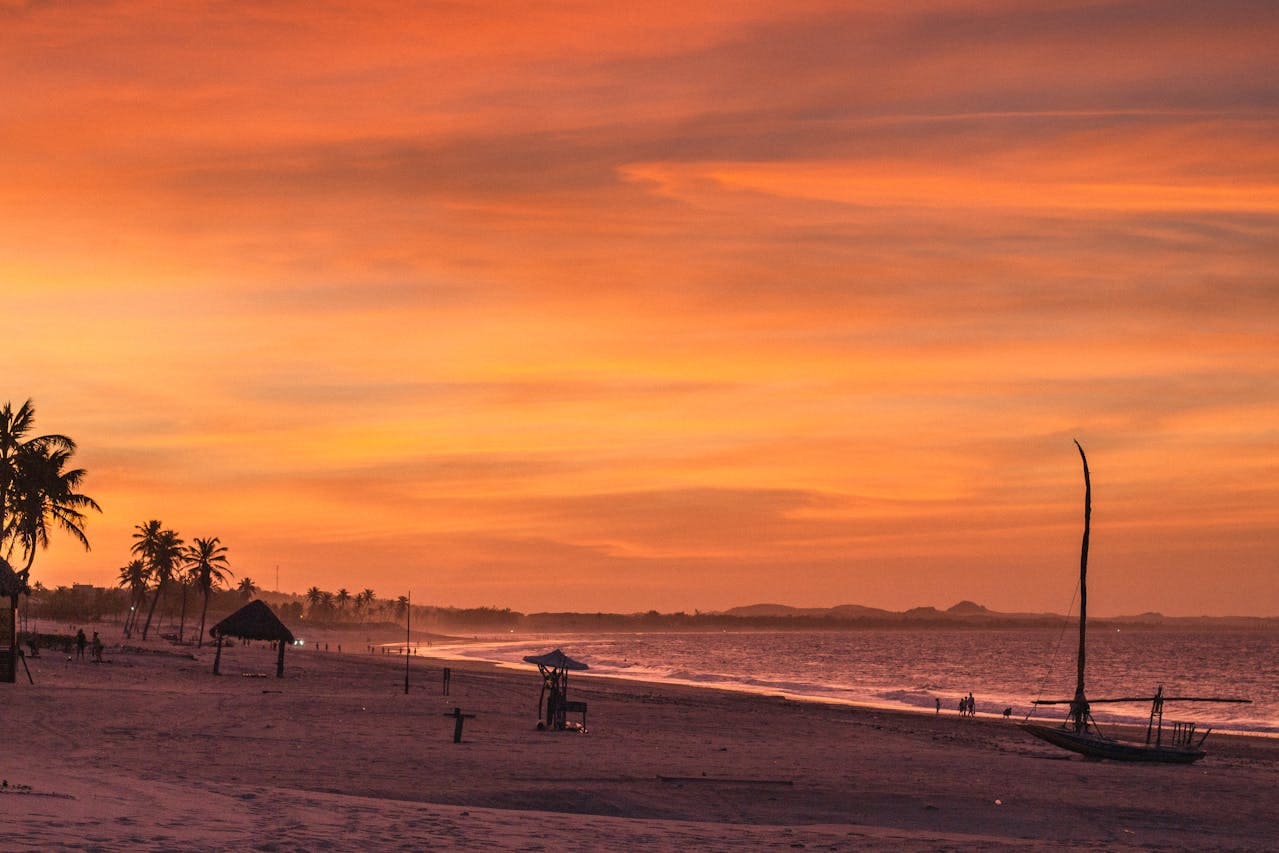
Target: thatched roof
11,583
253,621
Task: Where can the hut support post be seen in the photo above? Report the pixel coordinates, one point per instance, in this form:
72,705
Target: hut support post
279,661
9,667
217,658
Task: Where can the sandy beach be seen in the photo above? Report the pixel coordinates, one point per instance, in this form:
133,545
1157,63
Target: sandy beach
150,751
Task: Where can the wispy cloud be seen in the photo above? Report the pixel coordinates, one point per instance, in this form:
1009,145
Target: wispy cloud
671,302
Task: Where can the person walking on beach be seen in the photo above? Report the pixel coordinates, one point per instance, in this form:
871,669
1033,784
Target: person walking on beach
938,700
80,642
972,705
97,648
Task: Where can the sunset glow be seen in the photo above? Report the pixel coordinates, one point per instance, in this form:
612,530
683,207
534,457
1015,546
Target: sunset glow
572,306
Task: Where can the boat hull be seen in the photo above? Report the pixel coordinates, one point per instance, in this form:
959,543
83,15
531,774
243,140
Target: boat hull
1095,746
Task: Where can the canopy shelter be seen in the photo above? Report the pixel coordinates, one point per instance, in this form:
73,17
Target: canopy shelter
253,621
554,667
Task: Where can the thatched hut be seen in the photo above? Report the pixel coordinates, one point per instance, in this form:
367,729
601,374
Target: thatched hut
253,621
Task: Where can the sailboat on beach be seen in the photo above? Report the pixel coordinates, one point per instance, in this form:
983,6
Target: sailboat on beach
1080,733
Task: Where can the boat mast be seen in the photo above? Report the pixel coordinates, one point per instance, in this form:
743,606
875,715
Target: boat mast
1079,706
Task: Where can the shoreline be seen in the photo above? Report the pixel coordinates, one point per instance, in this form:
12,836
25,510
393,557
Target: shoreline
455,649
439,647
150,751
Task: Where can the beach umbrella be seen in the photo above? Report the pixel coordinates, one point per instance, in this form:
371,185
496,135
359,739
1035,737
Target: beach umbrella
555,660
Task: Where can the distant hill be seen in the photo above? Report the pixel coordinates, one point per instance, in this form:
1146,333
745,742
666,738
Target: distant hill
964,611
752,611
970,613
842,611
857,611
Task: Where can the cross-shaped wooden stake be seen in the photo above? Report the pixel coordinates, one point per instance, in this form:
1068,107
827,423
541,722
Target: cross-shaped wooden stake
457,715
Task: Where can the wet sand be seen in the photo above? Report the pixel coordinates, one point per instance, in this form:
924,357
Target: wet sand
151,751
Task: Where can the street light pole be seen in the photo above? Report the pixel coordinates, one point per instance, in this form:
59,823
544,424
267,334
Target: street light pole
408,620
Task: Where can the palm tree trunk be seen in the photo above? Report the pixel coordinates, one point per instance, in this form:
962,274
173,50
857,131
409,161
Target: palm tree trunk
182,622
133,614
154,600
10,674
139,603
199,641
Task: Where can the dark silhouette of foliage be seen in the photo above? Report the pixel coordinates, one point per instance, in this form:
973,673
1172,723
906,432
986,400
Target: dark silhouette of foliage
208,564
161,550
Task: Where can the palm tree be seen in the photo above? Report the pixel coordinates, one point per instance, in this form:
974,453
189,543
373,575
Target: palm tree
146,541
342,598
47,496
16,449
134,577
36,490
247,588
369,595
161,549
207,559
401,606
314,596
183,578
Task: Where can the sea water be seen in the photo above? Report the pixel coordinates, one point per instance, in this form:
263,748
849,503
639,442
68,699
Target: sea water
914,669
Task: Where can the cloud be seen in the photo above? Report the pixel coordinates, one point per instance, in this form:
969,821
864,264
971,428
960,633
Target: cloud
675,302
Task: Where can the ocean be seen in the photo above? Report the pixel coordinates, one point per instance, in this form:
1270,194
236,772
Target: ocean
912,669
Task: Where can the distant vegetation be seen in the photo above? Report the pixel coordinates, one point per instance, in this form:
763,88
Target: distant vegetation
334,610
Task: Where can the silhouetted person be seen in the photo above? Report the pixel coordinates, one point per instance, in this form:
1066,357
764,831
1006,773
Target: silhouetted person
80,642
97,648
972,705
937,699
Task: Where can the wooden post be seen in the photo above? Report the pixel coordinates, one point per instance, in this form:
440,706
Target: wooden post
217,658
9,664
279,661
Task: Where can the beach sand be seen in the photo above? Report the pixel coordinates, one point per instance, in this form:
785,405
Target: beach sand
151,751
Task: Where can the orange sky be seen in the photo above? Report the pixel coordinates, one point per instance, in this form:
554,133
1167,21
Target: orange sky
580,308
